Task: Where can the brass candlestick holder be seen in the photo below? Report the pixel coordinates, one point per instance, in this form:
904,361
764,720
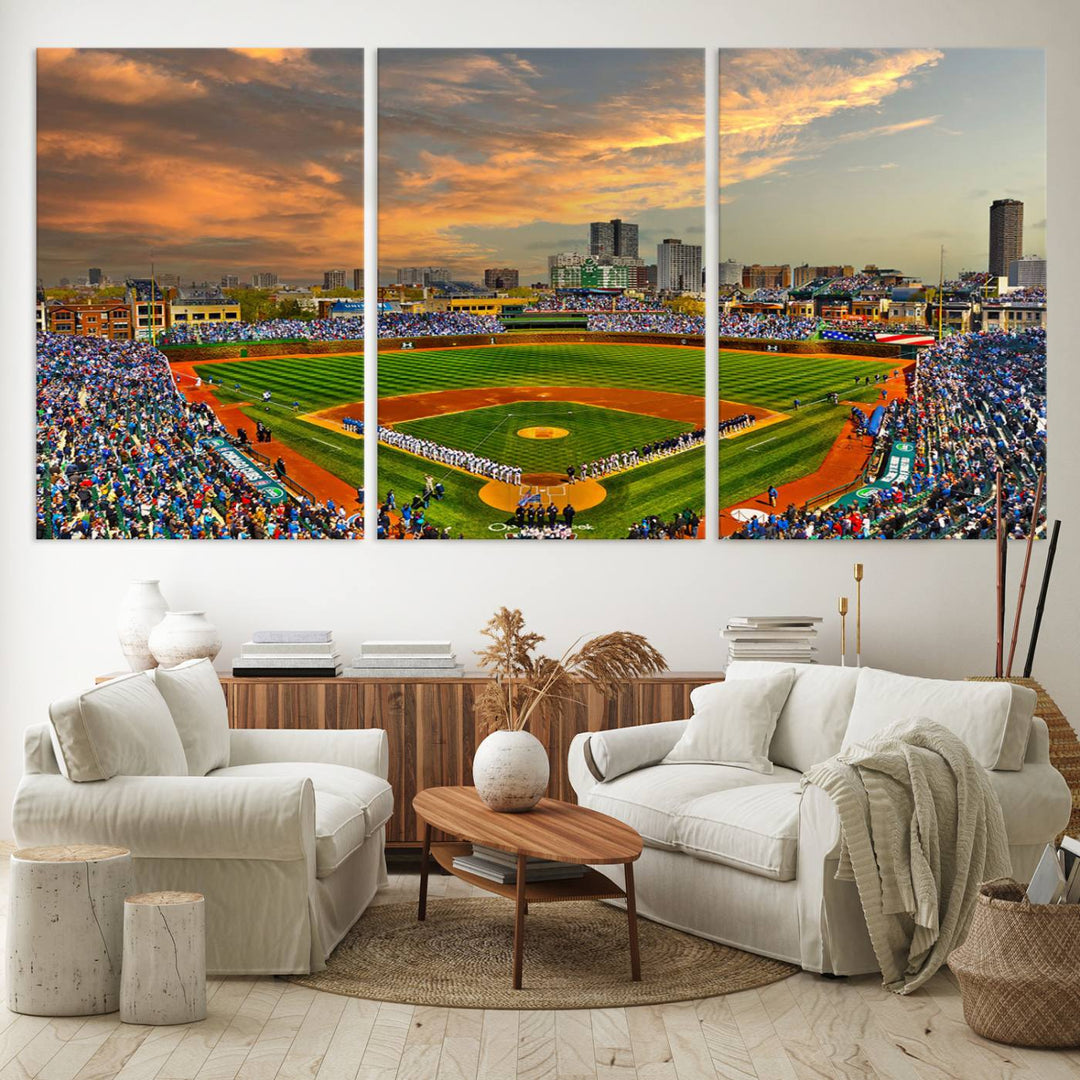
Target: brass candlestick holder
841,606
858,613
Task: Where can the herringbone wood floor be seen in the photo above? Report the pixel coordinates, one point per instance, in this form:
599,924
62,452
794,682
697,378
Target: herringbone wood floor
805,1028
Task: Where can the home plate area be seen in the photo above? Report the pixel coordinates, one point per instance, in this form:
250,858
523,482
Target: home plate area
551,487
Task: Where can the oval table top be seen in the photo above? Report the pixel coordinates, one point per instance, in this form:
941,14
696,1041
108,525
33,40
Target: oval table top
560,831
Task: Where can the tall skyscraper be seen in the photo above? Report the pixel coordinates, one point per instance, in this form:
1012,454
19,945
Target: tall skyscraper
501,277
358,279
94,277
615,237
678,266
335,279
264,280
230,281
1006,234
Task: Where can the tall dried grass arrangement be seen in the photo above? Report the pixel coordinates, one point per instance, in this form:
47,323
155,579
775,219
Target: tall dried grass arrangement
526,684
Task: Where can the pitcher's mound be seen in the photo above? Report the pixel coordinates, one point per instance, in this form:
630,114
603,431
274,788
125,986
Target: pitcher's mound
551,488
546,432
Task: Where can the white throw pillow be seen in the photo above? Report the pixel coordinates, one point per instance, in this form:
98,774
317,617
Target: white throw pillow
733,722
193,693
120,728
812,722
992,719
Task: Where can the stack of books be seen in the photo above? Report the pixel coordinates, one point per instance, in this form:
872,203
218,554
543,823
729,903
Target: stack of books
1057,877
405,660
501,866
288,653
786,639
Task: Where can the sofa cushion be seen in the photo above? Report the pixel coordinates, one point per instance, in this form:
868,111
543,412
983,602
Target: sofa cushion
340,828
120,728
992,719
811,725
751,828
654,800
733,722
366,792
193,693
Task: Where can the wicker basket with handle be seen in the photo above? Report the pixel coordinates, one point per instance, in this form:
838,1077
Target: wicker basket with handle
1019,969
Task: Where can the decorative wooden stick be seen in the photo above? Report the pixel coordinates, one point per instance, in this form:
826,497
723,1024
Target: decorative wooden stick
858,614
1024,573
1037,625
841,606
1000,549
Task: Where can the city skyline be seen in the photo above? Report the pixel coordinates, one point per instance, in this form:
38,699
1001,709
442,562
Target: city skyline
208,161
897,151
499,157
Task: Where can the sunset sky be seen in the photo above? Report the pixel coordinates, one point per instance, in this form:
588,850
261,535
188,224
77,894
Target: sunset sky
499,158
216,160
857,156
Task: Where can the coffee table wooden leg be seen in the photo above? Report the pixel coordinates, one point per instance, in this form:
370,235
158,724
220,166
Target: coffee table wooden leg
519,921
631,917
425,859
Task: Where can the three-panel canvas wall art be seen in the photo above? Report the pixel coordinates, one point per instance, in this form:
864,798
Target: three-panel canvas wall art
546,317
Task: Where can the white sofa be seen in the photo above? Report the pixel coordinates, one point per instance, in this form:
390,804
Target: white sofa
284,835
745,858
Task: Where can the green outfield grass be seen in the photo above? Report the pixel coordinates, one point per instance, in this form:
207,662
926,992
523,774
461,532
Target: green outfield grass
668,485
571,363
317,382
493,432
794,447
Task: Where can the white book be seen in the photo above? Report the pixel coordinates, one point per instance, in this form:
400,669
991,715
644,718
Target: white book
264,637
774,620
288,648
403,660
768,633
455,672
405,648
286,662
1047,885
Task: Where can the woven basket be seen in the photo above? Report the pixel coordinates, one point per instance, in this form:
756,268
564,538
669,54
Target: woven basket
1019,969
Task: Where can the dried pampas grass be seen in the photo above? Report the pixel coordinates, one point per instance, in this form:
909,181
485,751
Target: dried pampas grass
527,685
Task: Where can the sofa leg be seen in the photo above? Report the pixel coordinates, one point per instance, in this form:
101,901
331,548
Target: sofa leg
831,975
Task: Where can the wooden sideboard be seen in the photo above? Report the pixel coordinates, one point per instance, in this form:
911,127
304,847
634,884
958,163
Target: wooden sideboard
431,726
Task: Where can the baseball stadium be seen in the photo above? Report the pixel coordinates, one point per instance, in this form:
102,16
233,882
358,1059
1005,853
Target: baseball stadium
588,432
830,432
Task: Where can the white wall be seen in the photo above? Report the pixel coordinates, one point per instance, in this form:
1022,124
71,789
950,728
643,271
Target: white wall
928,607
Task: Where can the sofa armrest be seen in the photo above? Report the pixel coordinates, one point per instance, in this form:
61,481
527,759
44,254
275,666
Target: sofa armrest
366,749
38,753
1038,747
596,756
171,817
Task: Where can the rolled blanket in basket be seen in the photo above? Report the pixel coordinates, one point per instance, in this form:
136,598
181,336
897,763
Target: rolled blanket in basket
920,830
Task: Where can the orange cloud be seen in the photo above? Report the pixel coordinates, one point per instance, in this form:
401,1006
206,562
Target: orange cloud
113,78
771,98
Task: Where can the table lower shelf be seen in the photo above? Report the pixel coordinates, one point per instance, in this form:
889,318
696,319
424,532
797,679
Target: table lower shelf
592,886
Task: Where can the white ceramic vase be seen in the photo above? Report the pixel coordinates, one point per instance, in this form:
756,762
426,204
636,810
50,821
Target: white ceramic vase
142,609
184,635
510,771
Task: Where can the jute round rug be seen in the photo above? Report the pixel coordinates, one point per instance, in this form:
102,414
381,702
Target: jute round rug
576,957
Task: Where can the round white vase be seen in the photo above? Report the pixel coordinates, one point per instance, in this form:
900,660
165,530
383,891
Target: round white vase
184,635
143,607
510,771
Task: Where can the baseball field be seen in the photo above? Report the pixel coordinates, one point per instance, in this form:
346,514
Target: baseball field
807,450
542,407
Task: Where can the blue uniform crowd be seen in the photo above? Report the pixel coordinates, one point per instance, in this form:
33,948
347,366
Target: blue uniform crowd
770,327
120,454
977,405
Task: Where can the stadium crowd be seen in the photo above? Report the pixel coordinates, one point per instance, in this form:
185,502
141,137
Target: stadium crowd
977,405
585,302
350,328
771,327
684,526
647,322
120,453
403,324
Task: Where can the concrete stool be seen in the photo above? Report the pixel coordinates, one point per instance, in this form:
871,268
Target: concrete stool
164,979
65,928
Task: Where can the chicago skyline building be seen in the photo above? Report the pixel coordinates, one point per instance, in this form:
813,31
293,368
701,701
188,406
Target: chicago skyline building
614,237
678,266
1006,235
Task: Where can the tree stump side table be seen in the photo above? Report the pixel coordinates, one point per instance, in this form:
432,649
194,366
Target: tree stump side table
164,979
65,929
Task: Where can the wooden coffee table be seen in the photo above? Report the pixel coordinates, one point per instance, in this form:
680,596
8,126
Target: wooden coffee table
551,830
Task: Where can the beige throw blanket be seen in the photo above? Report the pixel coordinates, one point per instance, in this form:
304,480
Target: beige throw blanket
921,829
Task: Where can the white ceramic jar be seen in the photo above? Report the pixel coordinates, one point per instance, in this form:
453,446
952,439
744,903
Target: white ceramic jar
510,771
184,635
143,607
